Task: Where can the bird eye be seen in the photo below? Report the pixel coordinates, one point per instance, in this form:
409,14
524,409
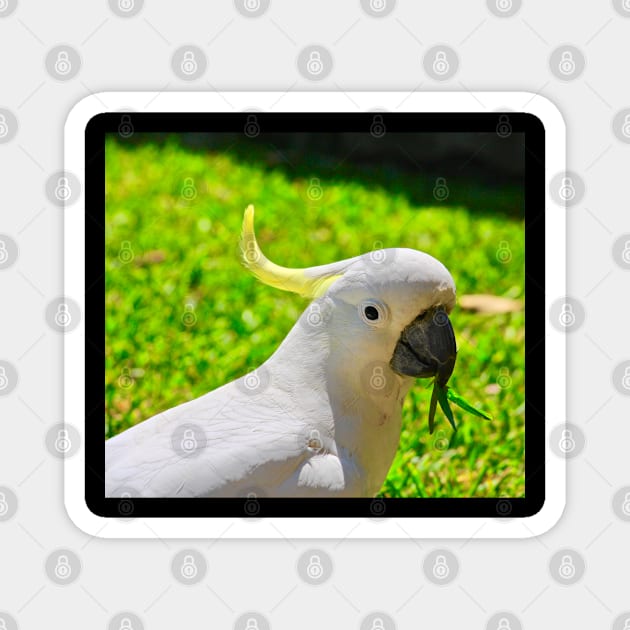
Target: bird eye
373,312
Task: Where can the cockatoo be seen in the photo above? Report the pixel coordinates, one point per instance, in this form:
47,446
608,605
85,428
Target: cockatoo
322,416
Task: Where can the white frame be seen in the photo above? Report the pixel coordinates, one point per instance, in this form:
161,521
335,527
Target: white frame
74,277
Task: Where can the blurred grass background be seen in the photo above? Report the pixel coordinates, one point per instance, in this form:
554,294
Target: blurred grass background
184,317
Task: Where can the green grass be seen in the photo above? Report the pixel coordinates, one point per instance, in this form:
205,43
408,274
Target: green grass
183,267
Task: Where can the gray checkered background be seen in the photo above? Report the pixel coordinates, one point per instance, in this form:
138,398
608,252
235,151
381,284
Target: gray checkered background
54,53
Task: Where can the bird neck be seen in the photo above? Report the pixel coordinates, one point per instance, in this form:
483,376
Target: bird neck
325,386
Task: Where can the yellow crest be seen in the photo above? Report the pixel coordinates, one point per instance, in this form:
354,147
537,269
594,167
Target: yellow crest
311,282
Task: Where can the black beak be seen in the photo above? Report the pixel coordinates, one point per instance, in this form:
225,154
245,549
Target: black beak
426,347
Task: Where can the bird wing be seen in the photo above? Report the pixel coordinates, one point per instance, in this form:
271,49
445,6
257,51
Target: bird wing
243,444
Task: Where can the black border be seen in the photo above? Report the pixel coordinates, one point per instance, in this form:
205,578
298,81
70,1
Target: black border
534,139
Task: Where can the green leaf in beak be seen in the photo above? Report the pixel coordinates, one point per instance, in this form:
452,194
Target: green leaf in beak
433,407
458,400
442,396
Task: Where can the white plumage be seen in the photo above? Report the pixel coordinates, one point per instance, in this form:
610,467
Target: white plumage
322,416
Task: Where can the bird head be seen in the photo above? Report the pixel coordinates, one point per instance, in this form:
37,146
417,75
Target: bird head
388,307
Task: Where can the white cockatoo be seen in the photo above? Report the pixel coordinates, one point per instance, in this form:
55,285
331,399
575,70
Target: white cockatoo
322,416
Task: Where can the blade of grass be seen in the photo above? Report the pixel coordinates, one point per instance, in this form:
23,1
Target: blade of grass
479,479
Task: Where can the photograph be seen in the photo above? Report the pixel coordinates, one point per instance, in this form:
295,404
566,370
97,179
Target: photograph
314,314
